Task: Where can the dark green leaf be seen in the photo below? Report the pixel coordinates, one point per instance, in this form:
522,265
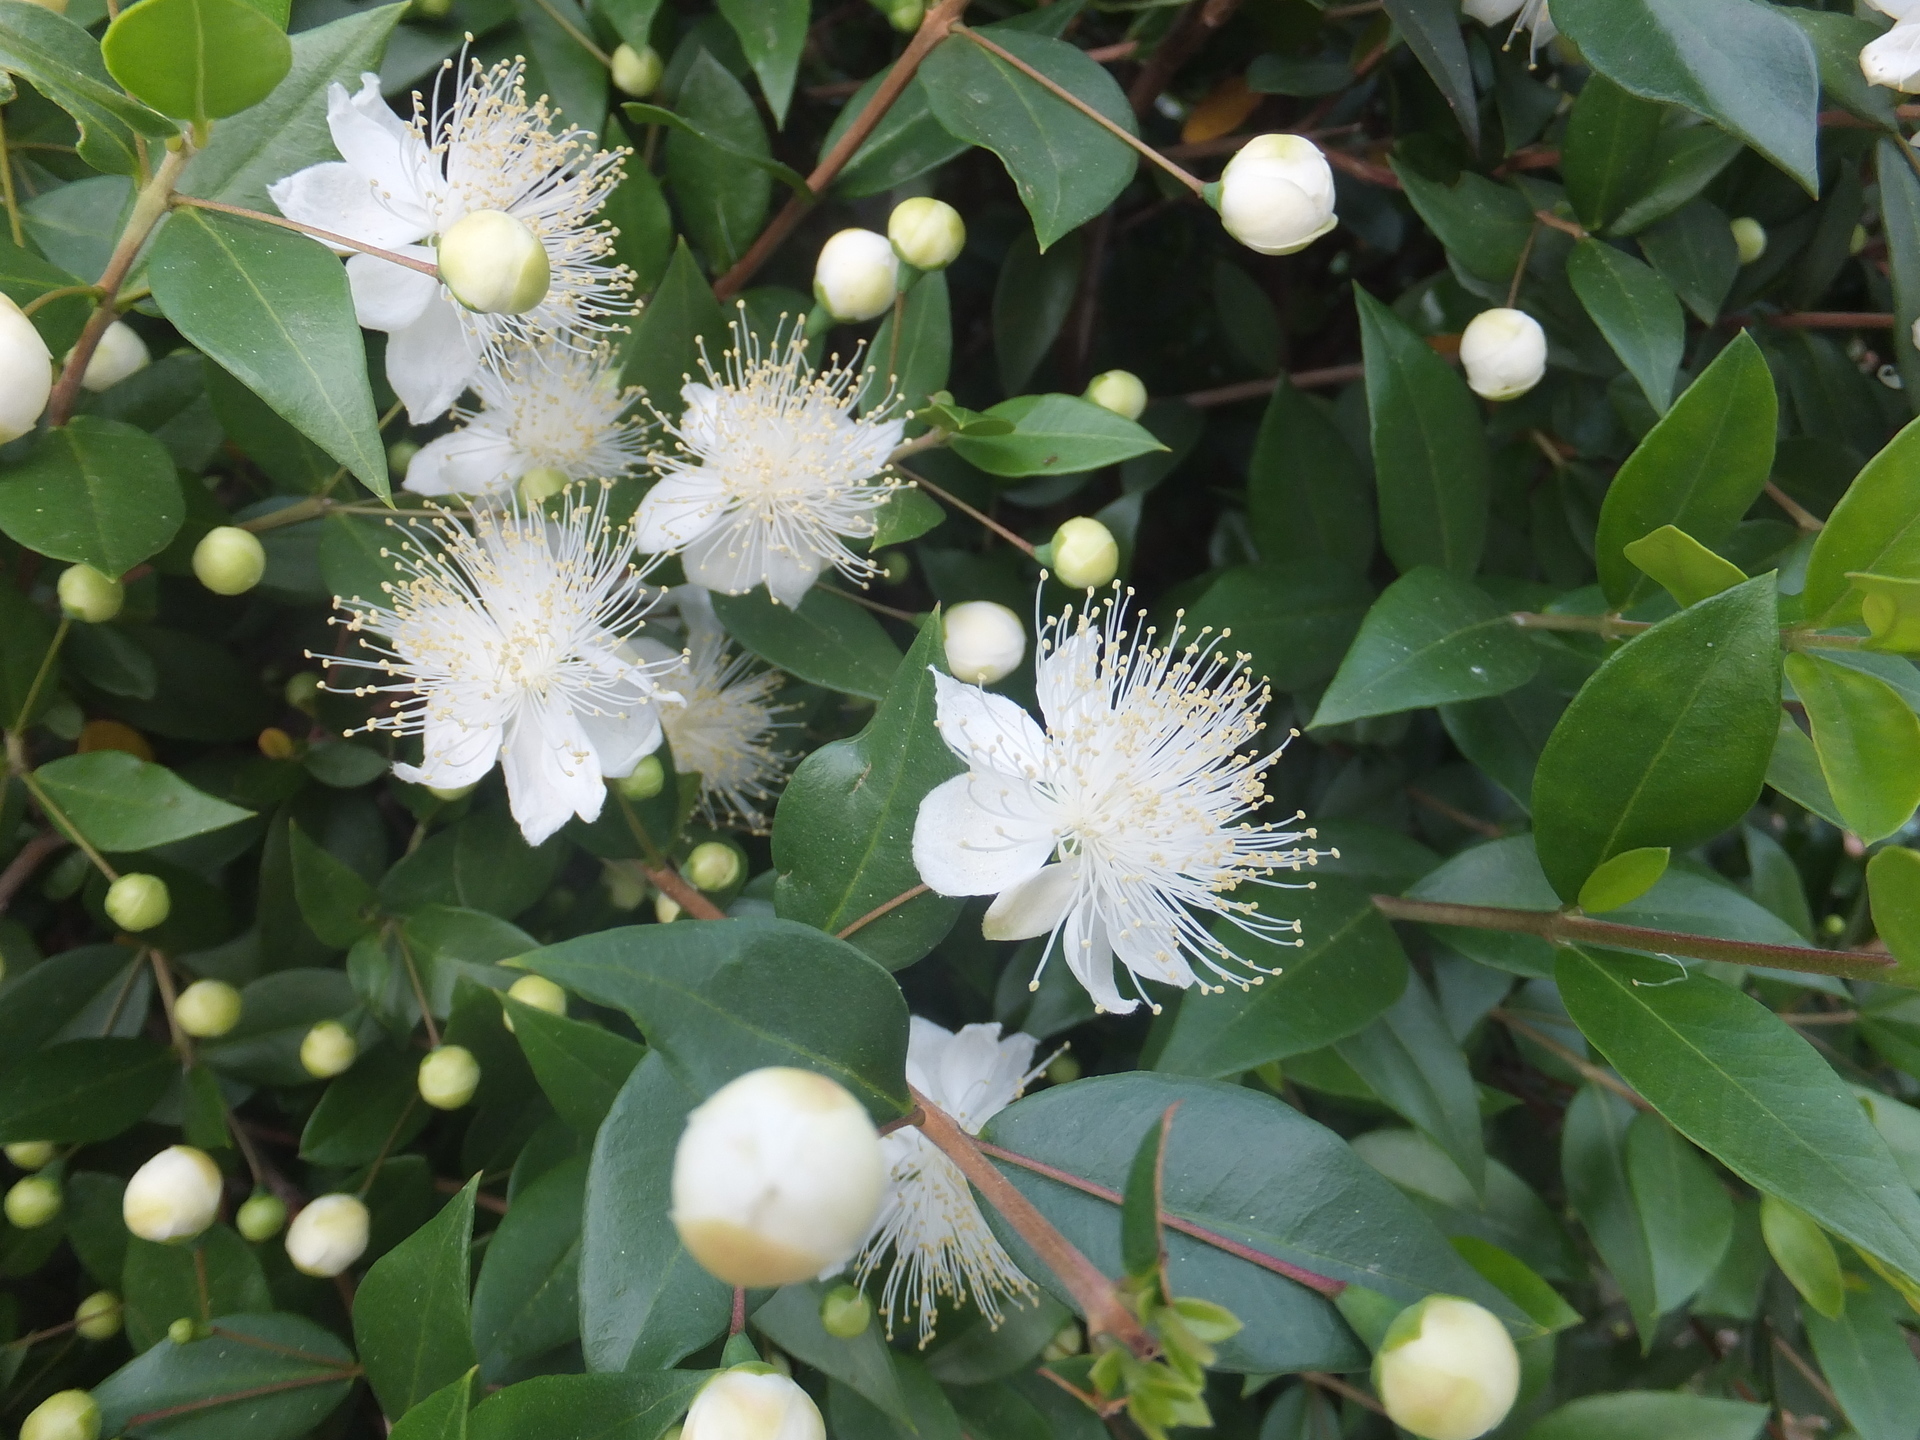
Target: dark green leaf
1054,435
264,1048
24,277
63,63
581,1067
571,79
212,1389
1651,1415
83,1090
197,60
1693,251
1865,1358
664,349
1031,297
334,901
1684,1211
1307,493
95,491
527,1300
1683,161
478,863
121,803
722,196
588,1407
772,33
373,1108
906,143
1432,31
1608,149
1637,312
215,1274
791,1319
441,1416
915,365
1593,1166
1483,224
410,1314
1875,529
1410,1059
829,640
1295,619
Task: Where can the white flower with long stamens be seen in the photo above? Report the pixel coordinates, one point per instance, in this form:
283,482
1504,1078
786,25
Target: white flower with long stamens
775,471
505,645
1528,15
1121,824
399,184
548,409
929,1221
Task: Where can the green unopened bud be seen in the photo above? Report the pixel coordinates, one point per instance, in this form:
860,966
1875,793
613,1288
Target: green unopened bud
329,1049
98,1316
1749,238
494,264
539,992
1446,1370
32,1202
926,233
68,1415
903,15
1120,391
713,865
637,72
430,9
541,484
30,1154
1063,1069
229,560
896,566
86,594
448,1077
303,691
261,1217
328,1236
1857,241
400,455
1066,1341
845,1312
138,902
646,780
1083,553
208,1009
184,1331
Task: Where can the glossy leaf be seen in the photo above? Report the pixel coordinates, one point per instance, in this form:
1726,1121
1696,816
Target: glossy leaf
1875,529
527,1299
1432,31
1031,298
587,1407
197,60
1608,149
1804,1254
665,348
1893,886
723,193
1307,494
1683,1209
1623,879
1295,618
1637,312
772,33
1865,1358
1411,1060
441,1416
1688,570
1593,1166
580,1066
216,1273
1683,161
1868,741
336,903
829,640
63,63
96,491
121,803
791,1319
273,1377
1651,1415
913,366
410,1314
82,1090
1054,435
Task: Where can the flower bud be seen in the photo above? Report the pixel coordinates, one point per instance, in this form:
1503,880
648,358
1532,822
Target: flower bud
541,484
1276,194
856,276
1119,391
744,1405
713,866
275,744
1504,353
903,15
400,455
229,560
32,1202
174,1196
261,1217
1857,241
539,992
927,234
119,354
302,691
30,1154
777,1177
208,1009
1893,59
494,264
637,72
895,566
1446,1370
1749,238
666,909
138,902
26,372
448,1077
86,594
845,1312
329,1049
328,1236
184,1331
985,641
98,1316
646,780
67,1415
1084,554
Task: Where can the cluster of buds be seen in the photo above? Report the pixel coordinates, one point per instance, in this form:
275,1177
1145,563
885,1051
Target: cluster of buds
859,272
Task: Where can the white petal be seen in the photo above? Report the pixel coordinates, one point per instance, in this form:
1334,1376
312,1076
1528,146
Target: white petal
473,461
622,740
387,296
979,835
988,732
383,149
428,363
1084,946
552,772
1034,906
339,198
455,754
731,557
1148,945
681,507
790,577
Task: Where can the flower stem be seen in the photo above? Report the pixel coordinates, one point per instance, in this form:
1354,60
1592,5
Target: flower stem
194,202
6,189
574,31
1520,270
1605,1079
40,675
169,997
874,914
47,297
964,508
1809,522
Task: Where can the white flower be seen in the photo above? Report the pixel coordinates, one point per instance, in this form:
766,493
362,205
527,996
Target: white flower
1109,829
547,409
1893,60
1504,353
26,372
1531,15
941,1245
773,470
505,646
174,1196
743,1405
399,184
1276,194
1898,9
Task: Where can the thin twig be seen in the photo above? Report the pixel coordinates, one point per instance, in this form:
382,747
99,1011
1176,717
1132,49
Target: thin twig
169,997
344,1373
492,1203
574,31
964,508
890,611
1520,270
341,241
738,1320
675,887
47,297
1606,1079
20,869
1822,1017
874,914
1183,42
1812,1376
1462,818
1254,389
1811,523
1339,1387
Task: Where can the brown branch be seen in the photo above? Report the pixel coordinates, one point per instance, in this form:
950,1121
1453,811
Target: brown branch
1254,389
1341,1388
345,1373
1183,42
1464,819
676,889
964,508
1812,1376
1798,513
1605,1079
20,869
314,231
1834,320
874,914
1556,222
738,1321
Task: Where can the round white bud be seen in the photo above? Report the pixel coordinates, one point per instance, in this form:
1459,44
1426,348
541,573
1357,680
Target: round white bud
26,372
138,902
494,264
328,1236
208,1009
985,641
448,1077
1749,238
777,1177
646,780
31,1154
119,354
261,1217
229,560
1085,554
539,992
1276,194
328,1049
174,1196
98,1316
1504,353
713,865
856,275
1446,1370
1119,391
926,233
636,72
32,1202
1893,59
86,594
67,1415
746,1404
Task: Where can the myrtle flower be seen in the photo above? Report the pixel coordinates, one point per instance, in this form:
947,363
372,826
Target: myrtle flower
774,471
929,1220
548,409
1528,15
401,183
1120,825
505,644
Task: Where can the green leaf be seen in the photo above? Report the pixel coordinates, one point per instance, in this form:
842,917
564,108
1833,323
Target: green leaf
1429,452
336,903
95,491
63,63
197,60
1868,741
581,1067
1794,770
1684,1210
1765,88
373,1108
1295,619
772,33
1893,889
477,863
67,996
441,1416
1307,493
1875,529
906,143
24,277
1837,41
1410,1059
722,196
1483,224
1651,1415
1593,1167
410,1314
1031,297
907,514
1432,31
664,350
1693,251
1668,741
1430,638
270,1377
123,804
829,641
1608,150
1688,570
83,1090
1065,168
215,1274
1699,469
1637,312
264,1048
1804,1254
588,1407
736,145
273,308
1737,1081
721,997
1054,435
1865,1358
843,834
1624,879
1140,1204
791,1319
570,77
527,1300
912,368
1685,159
